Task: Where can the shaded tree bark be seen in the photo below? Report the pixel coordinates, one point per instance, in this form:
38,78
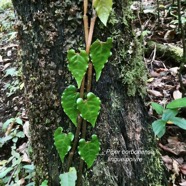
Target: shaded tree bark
47,29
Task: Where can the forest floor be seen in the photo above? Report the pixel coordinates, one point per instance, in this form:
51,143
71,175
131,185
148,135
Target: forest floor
163,86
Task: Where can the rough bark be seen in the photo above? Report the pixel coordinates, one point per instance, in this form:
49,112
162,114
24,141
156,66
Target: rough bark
46,31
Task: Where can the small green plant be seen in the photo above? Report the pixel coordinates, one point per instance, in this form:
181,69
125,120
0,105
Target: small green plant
5,4
15,85
168,116
16,169
81,105
12,129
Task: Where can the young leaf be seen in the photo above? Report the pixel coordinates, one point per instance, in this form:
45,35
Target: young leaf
68,178
44,183
89,150
169,113
103,9
178,103
78,64
100,52
157,107
68,101
158,127
89,108
180,122
62,142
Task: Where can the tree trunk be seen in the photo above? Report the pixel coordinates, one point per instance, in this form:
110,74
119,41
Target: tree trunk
128,152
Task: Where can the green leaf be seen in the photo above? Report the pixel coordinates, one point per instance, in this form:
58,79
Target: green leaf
5,171
68,178
178,103
157,107
169,113
62,142
11,71
78,64
29,167
103,9
44,183
158,127
68,101
89,108
19,121
100,52
20,134
180,122
7,122
89,150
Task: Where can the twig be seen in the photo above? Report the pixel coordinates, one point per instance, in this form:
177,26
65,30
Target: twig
184,48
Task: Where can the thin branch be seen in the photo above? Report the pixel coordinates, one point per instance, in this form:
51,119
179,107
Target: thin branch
183,62
85,20
78,129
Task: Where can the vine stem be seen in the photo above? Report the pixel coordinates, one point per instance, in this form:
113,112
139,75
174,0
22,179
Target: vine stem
78,129
88,88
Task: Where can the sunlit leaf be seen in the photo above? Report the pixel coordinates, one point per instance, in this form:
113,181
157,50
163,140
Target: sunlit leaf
103,9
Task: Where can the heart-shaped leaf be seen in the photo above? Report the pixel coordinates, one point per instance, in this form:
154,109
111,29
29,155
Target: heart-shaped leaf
158,127
103,9
68,101
78,64
89,108
89,150
62,142
68,178
100,52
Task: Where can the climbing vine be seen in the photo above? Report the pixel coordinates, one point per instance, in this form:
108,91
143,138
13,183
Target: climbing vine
80,104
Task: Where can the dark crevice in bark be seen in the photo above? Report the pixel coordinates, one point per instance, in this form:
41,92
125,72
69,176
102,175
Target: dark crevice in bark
122,123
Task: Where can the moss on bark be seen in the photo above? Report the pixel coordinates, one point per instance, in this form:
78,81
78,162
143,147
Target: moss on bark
47,31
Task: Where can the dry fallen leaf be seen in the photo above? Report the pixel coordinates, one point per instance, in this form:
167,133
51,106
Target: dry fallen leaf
183,168
155,93
25,158
174,70
175,167
26,129
168,162
177,94
183,183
